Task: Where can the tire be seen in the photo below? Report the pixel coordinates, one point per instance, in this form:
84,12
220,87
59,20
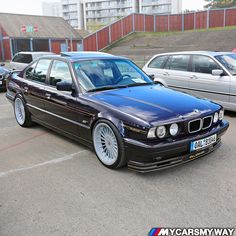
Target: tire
22,114
108,145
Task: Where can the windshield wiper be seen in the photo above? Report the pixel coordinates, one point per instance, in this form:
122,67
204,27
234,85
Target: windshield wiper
116,87
106,88
138,84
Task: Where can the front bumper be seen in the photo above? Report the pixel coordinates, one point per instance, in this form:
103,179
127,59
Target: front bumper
144,157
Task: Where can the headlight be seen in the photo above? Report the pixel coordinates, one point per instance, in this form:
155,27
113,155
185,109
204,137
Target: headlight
152,133
216,117
161,131
174,128
221,115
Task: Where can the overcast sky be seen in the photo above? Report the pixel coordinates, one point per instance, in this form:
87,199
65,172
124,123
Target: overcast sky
34,6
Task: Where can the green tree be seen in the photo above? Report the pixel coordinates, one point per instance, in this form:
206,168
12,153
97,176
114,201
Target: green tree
220,3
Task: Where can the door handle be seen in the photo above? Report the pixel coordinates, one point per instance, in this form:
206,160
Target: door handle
193,77
25,89
48,95
166,74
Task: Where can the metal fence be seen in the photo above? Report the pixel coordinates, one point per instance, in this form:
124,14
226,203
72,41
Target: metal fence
158,23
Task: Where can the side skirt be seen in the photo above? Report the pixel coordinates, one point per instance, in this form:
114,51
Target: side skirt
62,132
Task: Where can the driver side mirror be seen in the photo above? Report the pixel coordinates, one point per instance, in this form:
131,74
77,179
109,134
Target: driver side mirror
64,86
217,72
152,77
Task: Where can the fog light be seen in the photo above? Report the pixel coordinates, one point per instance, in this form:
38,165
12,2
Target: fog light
161,131
221,115
216,117
174,128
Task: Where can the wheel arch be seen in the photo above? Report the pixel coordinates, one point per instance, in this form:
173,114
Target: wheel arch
107,117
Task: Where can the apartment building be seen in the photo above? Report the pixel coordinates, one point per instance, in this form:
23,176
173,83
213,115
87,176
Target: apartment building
82,13
160,6
52,9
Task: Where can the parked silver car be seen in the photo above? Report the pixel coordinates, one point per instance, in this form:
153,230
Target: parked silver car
211,75
23,59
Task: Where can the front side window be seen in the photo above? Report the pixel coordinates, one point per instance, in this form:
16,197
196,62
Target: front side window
204,64
109,74
229,61
30,71
178,62
23,58
158,62
41,70
60,72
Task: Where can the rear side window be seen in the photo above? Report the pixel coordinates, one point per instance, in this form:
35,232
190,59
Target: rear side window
203,64
23,58
41,70
178,62
158,62
60,72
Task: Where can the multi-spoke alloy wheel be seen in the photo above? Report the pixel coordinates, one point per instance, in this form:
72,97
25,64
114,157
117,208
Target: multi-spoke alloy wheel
105,144
23,116
19,111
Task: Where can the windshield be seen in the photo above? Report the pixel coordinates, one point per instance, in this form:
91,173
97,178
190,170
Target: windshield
104,74
229,61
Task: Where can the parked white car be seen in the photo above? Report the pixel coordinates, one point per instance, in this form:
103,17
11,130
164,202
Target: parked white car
22,59
211,75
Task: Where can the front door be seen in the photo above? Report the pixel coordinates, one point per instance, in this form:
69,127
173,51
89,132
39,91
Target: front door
63,110
204,84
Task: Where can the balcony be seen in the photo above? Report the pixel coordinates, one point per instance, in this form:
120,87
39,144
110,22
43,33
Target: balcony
107,7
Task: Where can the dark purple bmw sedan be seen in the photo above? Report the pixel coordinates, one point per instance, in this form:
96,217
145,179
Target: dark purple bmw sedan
109,104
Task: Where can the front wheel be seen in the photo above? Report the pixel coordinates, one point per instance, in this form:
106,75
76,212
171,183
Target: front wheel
22,115
108,145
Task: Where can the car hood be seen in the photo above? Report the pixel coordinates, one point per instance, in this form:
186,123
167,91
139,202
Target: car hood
153,103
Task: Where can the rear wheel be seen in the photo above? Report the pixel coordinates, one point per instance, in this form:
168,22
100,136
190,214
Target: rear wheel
108,145
22,115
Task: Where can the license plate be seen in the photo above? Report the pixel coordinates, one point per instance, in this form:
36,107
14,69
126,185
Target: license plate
203,143
0,82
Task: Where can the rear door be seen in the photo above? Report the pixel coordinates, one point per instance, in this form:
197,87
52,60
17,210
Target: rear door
155,67
33,87
204,84
177,72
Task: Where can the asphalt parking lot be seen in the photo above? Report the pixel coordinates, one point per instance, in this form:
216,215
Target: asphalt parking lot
50,185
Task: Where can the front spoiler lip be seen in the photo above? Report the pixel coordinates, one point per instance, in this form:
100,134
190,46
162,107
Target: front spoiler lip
148,164
165,164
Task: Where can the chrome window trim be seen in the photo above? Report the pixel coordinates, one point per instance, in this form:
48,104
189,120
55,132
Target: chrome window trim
210,123
200,127
60,117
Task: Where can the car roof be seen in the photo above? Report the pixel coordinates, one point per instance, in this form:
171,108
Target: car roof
83,53
207,53
36,53
89,55
76,56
